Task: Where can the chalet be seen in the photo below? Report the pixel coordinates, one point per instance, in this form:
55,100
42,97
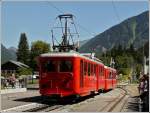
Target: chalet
12,66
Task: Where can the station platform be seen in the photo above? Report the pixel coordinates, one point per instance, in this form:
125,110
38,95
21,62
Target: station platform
15,90
14,99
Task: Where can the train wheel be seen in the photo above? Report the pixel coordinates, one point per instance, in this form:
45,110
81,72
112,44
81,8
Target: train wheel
92,93
76,99
100,91
44,98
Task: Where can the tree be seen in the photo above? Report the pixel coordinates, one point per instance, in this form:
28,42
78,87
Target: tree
23,49
24,71
37,48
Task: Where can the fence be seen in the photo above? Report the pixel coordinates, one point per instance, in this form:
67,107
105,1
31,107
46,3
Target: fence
6,83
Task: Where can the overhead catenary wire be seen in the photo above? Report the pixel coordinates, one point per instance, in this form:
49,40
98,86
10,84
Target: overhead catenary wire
127,25
79,25
118,17
55,7
115,10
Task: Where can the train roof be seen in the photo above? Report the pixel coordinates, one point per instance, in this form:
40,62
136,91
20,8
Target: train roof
70,54
110,68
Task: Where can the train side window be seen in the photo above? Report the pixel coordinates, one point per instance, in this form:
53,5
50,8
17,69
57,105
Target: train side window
81,73
85,68
110,75
91,69
114,75
95,70
65,66
101,71
89,72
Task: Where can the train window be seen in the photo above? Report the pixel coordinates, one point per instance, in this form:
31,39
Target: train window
110,75
89,71
100,71
49,66
81,73
65,66
95,70
85,68
114,75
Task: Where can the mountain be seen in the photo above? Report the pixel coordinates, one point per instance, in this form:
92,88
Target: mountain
13,52
134,30
7,54
12,49
81,43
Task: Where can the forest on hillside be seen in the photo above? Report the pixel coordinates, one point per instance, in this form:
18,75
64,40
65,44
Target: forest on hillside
128,62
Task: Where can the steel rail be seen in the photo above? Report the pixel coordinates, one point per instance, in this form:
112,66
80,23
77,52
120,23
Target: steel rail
114,105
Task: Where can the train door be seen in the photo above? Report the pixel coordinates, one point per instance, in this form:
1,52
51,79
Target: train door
81,74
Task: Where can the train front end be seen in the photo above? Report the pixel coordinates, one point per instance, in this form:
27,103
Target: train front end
56,75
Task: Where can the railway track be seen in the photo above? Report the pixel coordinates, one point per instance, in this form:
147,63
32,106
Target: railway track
44,108
115,104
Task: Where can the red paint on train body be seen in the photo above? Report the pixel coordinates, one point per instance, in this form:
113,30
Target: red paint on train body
67,74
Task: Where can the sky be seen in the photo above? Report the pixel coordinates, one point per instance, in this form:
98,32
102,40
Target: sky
37,18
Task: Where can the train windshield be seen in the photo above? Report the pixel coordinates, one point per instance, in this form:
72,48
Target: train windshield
50,66
57,66
65,66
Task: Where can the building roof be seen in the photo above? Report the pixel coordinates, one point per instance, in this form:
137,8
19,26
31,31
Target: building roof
19,64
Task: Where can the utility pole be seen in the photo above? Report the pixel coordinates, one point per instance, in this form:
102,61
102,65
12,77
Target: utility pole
112,62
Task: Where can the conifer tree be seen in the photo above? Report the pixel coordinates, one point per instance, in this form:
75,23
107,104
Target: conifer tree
23,49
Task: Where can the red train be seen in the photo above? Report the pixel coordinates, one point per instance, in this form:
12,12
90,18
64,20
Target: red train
72,73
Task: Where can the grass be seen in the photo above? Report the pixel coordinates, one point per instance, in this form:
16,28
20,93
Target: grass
35,81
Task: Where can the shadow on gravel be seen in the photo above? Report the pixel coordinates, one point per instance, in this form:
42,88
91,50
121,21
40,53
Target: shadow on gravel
133,105
30,99
56,101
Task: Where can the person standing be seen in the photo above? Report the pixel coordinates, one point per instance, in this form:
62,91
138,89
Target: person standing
13,80
146,93
141,88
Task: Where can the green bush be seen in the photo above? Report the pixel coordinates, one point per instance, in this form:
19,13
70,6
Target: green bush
24,71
